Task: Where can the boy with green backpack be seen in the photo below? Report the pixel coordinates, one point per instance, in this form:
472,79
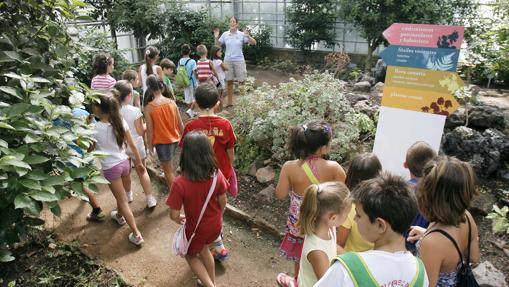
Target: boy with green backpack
185,79
385,208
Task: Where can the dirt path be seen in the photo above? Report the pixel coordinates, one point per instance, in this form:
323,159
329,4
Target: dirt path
254,258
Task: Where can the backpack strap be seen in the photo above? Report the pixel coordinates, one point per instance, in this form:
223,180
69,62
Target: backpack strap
357,269
309,173
469,241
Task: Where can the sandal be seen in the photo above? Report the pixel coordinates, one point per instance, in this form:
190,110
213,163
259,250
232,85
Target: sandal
286,280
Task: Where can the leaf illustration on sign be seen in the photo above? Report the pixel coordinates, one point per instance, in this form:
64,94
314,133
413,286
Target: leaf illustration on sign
450,82
441,63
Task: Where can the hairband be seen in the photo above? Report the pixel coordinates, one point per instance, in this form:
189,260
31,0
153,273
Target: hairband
327,129
319,189
147,52
305,127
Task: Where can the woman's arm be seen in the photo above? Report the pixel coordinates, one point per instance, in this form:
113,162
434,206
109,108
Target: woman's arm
283,185
319,261
250,40
216,37
140,127
475,253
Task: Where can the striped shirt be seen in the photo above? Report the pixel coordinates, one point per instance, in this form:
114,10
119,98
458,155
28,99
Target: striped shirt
203,70
103,82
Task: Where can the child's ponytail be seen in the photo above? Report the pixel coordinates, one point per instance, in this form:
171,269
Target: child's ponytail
318,200
306,139
150,54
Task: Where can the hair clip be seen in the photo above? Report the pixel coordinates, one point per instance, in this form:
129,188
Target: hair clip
327,129
319,189
305,127
147,52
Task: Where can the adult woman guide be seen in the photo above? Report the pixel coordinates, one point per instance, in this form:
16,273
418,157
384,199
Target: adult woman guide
234,41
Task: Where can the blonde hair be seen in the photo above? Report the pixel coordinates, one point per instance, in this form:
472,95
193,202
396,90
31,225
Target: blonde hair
320,199
201,50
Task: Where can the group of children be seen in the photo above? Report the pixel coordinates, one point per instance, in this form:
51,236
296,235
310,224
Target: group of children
368,223
366,228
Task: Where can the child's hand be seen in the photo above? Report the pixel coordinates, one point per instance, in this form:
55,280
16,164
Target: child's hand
140,168
151,151
216,33
416,233
182,219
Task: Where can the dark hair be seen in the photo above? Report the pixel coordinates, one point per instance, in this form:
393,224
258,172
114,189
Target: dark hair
129,75
101,62
319,200
121,90
150,54
206,96
197,159
306,139
388,197
154,85
109,105
167,64
213,52
233,17
364,166
446,190
185,50
417,156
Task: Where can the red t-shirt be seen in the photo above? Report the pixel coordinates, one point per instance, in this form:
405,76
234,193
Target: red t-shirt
192,194
221,135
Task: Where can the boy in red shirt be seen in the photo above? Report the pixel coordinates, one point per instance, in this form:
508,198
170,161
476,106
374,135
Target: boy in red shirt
220,133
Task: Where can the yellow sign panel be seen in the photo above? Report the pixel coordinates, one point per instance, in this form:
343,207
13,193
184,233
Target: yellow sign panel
419,100
420,79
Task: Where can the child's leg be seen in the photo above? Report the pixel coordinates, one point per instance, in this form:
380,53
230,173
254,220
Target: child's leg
126,180
145,181
117,188
203,267
168,172
229,92
296,269
91,197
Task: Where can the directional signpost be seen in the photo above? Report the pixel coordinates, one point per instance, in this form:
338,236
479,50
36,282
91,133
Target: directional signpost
419,89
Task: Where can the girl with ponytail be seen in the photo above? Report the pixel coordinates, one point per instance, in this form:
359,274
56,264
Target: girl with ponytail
308,143
111,136
324,208
150,68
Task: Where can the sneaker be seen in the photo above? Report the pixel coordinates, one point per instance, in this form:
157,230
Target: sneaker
136,240
119,219
189,112
130,196
219,251
151,201
96,216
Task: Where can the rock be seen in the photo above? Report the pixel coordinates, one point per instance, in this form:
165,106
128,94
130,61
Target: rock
379,87
503,175
267,161
487,275
252,169
265,174
483,204
353,98
490,93
483,117
52,246
367,78
266,194
363,86
485,151
366,108
474,89
455,119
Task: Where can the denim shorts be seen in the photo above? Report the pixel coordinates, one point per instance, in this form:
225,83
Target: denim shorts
166,152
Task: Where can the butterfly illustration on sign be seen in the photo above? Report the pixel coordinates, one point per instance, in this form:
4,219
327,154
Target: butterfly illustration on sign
447,41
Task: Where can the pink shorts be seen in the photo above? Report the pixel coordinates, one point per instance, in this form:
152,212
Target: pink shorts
233,189
119,170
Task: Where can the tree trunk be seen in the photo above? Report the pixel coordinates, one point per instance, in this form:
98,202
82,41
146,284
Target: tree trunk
114,35
367,66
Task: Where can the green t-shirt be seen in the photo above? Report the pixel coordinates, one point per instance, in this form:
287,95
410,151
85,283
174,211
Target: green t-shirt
167,82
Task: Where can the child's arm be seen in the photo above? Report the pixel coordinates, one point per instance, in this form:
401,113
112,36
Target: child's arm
159,72
140,127
211,65
319,261
224,66
177,217
222,201
340,174
180,123
138,161
137,102
475,253
231,154
283,185
150,129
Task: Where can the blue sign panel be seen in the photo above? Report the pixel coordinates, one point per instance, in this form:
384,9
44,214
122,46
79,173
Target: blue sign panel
438,59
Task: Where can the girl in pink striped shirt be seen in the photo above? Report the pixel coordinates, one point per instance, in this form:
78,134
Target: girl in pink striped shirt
103,66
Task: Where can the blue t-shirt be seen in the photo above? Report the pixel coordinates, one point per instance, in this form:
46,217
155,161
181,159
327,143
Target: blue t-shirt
234,42
419,220
190,67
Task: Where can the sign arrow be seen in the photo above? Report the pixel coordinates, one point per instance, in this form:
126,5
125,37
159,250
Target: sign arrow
420,57
425,35
442,82
419,101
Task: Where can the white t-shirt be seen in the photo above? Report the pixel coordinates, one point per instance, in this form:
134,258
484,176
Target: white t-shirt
220,73
307,277
107,143
130,115
388,269
144,76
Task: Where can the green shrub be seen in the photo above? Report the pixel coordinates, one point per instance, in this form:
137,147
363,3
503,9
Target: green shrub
265,116
500,219
36,81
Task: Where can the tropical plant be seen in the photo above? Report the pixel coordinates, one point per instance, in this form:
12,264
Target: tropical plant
311,22
37,83
263,118
500,219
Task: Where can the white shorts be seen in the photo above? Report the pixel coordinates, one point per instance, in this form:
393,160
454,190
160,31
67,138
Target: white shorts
189,94
236,71
140,145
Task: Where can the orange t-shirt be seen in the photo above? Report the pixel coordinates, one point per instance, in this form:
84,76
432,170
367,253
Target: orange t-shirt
165,123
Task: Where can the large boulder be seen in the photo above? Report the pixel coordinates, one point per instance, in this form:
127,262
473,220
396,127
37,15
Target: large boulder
486,151
353,98
266,194
483,117
487,275
265,174
367,78
363,86
379,87
366,107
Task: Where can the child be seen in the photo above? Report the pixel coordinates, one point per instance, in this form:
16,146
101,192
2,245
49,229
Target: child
308,143
132,77
205,71
216,55
221,135
385,207
417,156
444,194
164,125
150,67
190,66
132,115
325,207
362,167
168,69
112,133
198,168
103,67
